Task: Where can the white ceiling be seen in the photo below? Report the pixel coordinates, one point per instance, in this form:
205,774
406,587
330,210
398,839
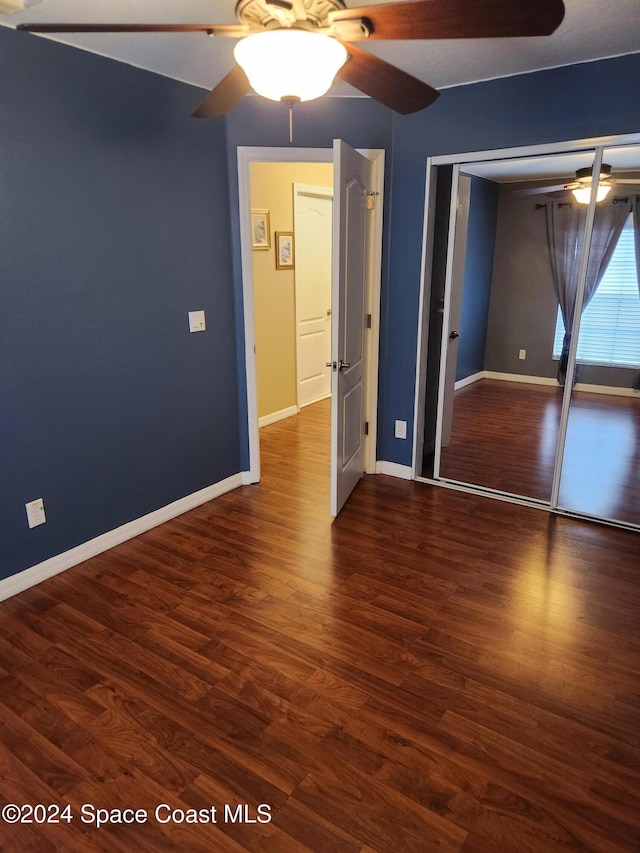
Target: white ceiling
592,29
624,161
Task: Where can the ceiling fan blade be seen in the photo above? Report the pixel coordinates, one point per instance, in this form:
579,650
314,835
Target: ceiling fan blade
458,19
541,190
226,95
385,83
232,30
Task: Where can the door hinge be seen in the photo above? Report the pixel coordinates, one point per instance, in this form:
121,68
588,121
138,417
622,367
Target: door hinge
366,427
368,321
371,200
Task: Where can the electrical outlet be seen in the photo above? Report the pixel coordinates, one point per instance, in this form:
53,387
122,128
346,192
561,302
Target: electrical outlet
401,429
522,354
197,321
35,512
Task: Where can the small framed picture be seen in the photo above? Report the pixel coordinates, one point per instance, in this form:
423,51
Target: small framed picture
260,229
284,250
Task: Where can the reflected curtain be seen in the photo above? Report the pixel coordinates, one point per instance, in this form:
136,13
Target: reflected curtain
636,238
565,238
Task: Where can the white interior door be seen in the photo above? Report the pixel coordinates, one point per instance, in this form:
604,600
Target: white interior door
352,184
313,216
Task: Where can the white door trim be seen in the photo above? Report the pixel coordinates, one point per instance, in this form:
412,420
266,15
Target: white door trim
250,154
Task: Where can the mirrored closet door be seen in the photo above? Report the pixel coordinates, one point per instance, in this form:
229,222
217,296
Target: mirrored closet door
526,409
600,470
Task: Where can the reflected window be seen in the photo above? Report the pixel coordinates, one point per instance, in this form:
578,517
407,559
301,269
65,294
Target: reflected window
610,326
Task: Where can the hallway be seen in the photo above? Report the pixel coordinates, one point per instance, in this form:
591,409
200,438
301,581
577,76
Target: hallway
432,671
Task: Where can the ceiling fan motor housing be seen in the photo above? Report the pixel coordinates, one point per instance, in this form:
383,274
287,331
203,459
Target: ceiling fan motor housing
305,14
583,176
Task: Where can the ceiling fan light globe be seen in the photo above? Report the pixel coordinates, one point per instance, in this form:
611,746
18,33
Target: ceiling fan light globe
583,194
290,63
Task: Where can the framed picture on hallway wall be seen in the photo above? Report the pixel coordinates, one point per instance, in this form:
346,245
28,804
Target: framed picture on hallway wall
284,250
260,229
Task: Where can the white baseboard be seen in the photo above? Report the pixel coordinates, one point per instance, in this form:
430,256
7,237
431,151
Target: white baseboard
61,562
392,469
265,420
316,400
469,380
606,389
613,391
519,377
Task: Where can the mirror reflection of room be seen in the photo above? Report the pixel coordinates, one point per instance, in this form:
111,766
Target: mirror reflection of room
601,462
516,268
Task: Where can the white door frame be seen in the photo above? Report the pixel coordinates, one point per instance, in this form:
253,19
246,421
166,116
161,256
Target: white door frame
246,156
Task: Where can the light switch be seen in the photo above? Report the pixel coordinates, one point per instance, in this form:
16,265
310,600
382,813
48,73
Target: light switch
196,321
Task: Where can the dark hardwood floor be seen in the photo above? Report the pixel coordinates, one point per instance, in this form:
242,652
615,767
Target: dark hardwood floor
432,671
505,434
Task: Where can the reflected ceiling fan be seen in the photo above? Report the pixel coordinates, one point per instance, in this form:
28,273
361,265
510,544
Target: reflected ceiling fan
580,188
291,50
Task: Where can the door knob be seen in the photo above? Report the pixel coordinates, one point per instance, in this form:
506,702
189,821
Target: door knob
453,334
344,365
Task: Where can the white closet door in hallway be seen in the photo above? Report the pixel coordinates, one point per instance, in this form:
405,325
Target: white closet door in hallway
313,222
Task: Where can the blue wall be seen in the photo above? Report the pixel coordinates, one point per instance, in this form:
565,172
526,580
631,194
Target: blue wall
478,267
576,102
114,223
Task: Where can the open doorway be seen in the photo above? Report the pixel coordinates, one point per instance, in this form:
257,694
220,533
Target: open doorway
292,296
358,212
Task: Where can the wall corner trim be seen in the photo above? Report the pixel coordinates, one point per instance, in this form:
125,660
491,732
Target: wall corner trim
393,469
61,562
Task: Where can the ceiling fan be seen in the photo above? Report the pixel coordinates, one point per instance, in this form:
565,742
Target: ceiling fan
580,188
326,32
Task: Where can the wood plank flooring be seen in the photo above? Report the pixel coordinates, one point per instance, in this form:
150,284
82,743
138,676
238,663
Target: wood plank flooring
505,434
433,671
